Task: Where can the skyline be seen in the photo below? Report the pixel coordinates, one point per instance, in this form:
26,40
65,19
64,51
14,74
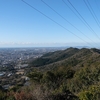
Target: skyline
21,25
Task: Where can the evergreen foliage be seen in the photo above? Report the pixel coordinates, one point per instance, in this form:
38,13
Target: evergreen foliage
72,74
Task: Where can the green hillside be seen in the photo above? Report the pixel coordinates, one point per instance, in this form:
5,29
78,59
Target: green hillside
71,74
76,70
54,57
69,57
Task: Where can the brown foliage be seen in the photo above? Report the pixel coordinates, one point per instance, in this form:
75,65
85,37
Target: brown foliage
23,96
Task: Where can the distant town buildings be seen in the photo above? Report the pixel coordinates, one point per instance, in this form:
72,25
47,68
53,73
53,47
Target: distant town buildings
14,64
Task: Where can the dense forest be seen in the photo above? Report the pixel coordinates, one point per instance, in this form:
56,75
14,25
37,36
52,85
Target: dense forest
71,74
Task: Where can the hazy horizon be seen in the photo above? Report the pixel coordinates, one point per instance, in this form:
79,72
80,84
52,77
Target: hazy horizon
39,23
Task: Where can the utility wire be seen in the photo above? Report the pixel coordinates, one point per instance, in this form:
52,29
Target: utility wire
75,13
54,21
97,5
66,20
92,12
83,19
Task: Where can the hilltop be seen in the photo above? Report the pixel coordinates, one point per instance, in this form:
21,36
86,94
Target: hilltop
76,70
72,57
71,74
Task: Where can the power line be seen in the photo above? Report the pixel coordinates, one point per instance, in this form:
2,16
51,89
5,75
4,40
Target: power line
97,5
83,19
66,20
92,12
89,27
74,13
53,21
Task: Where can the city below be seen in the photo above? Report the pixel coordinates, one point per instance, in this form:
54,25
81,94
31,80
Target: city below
14,64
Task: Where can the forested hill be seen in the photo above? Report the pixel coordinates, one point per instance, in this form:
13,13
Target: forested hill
75,70
71,74
69,57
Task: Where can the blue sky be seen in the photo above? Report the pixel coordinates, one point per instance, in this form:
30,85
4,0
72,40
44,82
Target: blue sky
21,25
